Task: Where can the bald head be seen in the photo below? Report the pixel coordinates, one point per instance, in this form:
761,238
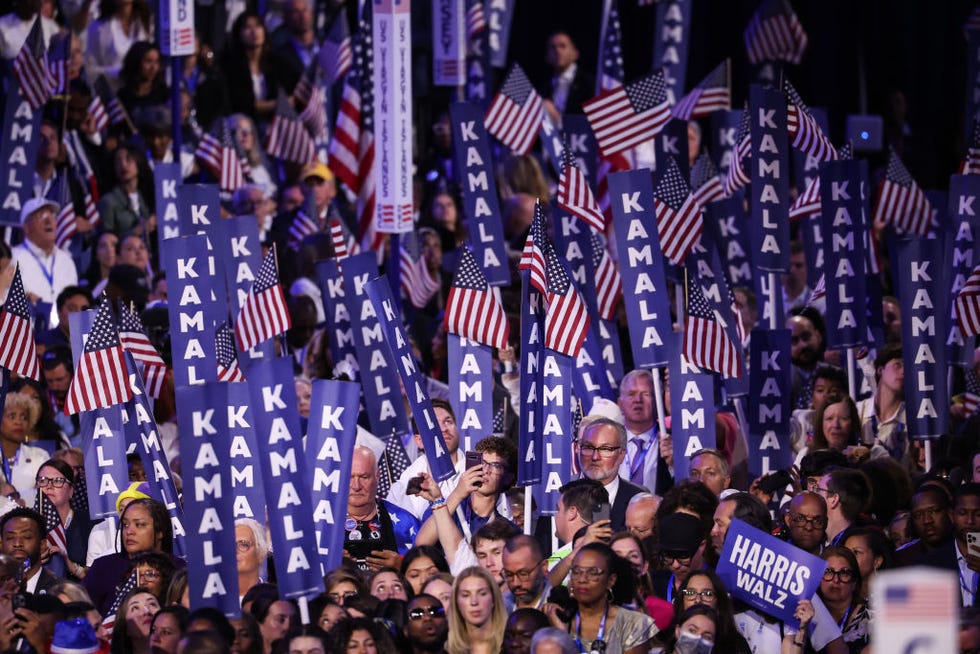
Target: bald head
807,521
363,482
641,513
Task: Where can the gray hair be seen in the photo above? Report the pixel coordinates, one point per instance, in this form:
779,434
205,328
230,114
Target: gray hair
642,497
554,635
602,421
632,376
258,532
715,453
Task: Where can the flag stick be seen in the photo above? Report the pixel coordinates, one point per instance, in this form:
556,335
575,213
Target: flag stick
742,421
527,510
679,292
851,381
658,394
176,76
928,455
772,301
304,609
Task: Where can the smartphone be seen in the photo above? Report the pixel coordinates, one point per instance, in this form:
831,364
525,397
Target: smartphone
414,486
973,543
19,601
600,512
474,460
775,481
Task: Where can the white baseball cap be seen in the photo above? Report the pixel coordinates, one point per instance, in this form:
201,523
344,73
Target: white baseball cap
34,204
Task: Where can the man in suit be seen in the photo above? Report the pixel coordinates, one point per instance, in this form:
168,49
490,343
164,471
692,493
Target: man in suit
294,44
601,449
22,533
954,554
644,463
569,85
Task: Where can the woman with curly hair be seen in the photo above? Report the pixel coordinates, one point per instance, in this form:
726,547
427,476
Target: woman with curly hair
21,461
477,615
143,84
360,635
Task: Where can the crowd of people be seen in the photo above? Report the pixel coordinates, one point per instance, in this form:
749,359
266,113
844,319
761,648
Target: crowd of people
625,564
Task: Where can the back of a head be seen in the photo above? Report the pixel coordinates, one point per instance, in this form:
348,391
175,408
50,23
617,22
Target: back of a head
583,494
203,642
854,490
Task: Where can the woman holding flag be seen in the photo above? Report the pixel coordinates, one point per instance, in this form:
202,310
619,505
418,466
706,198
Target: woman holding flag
67,531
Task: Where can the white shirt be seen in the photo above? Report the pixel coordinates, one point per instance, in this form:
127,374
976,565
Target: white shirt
612,488
36,267
560,85
102,540
968,578
417,505
649,476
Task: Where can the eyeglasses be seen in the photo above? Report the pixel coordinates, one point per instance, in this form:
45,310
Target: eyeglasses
592,574
149,575
668,558
495,466
844,575
822,490
702,595
421,612
338,597
604,451
817,521
53,482
523,575
244,545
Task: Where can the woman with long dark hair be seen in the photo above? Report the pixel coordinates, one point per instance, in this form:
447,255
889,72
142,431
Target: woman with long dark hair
143,84
250,67
705,588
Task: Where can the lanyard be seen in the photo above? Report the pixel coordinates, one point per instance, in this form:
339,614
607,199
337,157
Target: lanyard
8,466
599,635
48,274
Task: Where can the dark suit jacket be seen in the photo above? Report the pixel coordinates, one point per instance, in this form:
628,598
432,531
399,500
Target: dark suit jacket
617,512
581,89
944,557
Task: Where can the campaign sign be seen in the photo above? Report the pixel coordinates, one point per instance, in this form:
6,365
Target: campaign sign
287,488
671,44
641,264
329,449
177,28
812,234
471,388
382,395
199,209
556,430
194,308
239,252
582,143
843,222
166,177
692,410
19,142
532,350
103,436
239,441
769,402
770,179
471,155
611,349
477,85
960,242
672,142
768,573
340,333
922,278
448,42
724,127
726,222
499,14
212,571
414,381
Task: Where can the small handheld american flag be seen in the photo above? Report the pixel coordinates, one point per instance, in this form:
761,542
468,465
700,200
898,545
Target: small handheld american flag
263,314
100,379
17,352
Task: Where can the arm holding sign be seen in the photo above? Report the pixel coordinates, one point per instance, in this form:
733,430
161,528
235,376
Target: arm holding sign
797,642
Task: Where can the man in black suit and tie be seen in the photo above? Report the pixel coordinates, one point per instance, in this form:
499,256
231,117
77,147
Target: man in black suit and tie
955,554
644,463
570,85
601,449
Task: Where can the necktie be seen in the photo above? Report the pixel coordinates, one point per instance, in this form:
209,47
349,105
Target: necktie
637,457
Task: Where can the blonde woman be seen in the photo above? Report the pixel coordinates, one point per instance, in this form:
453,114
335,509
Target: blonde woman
477,616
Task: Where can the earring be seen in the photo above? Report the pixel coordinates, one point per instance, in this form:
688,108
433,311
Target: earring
610,595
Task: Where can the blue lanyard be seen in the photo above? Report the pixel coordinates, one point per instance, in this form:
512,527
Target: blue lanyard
48,275
598,636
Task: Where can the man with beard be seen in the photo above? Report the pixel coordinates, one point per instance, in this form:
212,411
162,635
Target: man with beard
525,571
807,345
643,463
22,534
426,628
954,554
601,451
929,520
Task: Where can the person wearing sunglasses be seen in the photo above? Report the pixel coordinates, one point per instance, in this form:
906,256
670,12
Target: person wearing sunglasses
704,587
839,590
426,626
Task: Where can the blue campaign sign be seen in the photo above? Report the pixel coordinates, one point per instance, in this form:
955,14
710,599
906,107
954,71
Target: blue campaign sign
843,222
769,402
611,350
471,388
499,14
378,375
212,571
556,430
166,177
239,254
194,308
770,179
532,350
812,234
727,224
672,142
329,447
582,143
340,333
471,150
239,441
641,263
412,378
960,246
692,410
922,277
671,44
768,573
478,72
721,139
199,208
287,487
19,142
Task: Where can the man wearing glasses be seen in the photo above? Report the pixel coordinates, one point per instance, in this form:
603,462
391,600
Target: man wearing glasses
525,571
44,268
601,452
681,540
806,521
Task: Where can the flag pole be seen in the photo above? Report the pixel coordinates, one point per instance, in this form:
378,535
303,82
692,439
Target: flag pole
176,75
658,394
773,324
851,381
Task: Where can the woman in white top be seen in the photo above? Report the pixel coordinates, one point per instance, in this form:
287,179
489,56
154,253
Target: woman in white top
121,23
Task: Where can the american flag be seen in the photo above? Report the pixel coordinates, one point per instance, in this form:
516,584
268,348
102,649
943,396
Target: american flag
516,112
532,257
738,171
263,313
610,76
924,600
574,194
967,305
133,337
122,590
712,94
100,379
86,177
394,461
476,21
58,57
79,499
775,34
971,398
352,147
971,163
98,112
301,227
335,54
227,356
344,243
804,132
678,214
218,153
31,69
117,113
705,183
65,223
808,202
17,352
417,283
608,283
52,521
314,114
900,200
706,343
630,115
288,139
819,291
566,322
474,310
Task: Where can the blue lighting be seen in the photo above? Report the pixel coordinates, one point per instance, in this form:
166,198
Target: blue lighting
864,135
